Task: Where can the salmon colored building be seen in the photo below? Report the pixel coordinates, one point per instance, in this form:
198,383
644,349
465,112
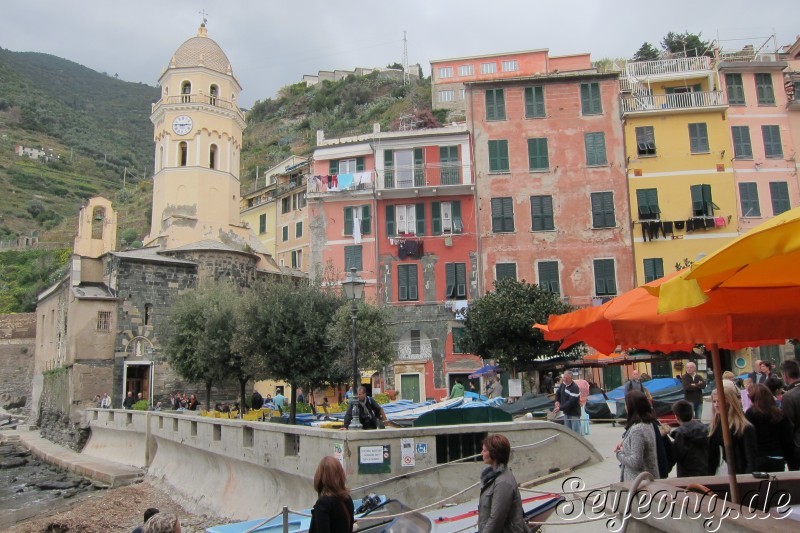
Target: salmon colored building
763,155
551,184
450,76
401,210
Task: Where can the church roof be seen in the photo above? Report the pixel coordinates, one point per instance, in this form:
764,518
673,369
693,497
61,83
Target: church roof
201,51
206,244
150,254
93,291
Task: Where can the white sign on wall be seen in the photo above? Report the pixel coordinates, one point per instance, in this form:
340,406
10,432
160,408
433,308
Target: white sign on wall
407,452
515,388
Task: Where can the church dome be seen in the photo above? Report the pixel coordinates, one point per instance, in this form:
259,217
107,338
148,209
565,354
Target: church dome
200,51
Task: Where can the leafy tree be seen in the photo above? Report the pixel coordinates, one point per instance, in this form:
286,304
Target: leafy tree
283,326
127,236
499,325
373,338
647,52
691,43
395,65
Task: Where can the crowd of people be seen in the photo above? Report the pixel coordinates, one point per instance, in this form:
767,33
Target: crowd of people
764,424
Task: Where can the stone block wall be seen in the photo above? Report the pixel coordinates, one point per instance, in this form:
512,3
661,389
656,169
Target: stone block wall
17,345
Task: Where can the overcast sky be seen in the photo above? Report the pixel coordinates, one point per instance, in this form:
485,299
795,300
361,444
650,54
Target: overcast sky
272,43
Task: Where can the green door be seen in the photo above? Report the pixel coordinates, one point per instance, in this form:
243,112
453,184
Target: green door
612,377
409,387
661,369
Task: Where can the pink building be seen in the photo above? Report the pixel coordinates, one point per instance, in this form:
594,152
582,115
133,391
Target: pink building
763,146
551,183
399,206
449,76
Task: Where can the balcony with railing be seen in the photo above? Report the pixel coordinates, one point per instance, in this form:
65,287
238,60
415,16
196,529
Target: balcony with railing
669,68
427,175
341,184
206,99
660,103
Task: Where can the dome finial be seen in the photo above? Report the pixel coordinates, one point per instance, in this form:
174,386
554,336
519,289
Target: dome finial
202,31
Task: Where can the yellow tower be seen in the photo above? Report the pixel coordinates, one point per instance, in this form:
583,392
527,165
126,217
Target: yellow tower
198,138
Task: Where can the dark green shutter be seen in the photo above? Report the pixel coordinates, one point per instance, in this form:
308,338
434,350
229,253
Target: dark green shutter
391,227
505,271
366,220
748,197
461,280
334,167
597,210
508,214
585,99
402,283
497,215
742,148
420,216
772,141
779,192
708,207
436,218
548,276
348,220
455,215
388,169
542,213
537,154
262,223
697,198
735,88
419,168
450,280
534,102
413,292
698,138
352,258
359,164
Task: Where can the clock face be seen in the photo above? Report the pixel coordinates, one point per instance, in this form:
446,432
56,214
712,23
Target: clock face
182,125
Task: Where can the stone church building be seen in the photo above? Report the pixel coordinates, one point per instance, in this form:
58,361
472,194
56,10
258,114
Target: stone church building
95,328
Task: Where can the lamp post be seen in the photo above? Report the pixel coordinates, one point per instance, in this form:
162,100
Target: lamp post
354,291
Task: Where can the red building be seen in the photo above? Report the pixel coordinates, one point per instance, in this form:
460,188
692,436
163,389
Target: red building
401,210
551,182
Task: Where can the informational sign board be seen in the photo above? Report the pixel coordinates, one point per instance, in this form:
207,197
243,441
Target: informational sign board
374,459
515,388
338,452
407,453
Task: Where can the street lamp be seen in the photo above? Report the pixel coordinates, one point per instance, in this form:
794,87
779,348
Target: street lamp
354,291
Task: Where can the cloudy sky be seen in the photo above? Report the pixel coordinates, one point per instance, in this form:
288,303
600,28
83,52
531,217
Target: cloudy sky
272,43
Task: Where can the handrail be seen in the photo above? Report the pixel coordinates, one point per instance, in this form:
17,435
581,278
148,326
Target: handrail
660,102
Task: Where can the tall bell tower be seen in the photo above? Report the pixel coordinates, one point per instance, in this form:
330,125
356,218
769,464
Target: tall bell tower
198,139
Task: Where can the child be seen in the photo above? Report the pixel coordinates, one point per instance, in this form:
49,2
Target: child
690,446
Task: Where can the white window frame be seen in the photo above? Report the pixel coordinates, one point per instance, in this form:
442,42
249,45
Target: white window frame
488,68
465,70
445,72
404,169
510,65
405,217
447,96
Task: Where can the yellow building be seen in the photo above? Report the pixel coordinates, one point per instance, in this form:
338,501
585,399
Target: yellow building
679,159
258,213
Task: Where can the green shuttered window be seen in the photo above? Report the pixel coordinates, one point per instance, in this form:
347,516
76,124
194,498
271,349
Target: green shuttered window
603,210
702,203
407,288
764,90
548,276
748,197
498,156
648,204
779,192
773,149
455,280
742,148
653,269
591,103
595,149
534,102
364,214
502,215
505,271
495,104
537,154
698,138
542,213
352,258
735,87
605,280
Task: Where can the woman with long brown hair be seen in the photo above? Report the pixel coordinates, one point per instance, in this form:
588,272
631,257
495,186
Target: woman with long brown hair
638,451
774,430
333,512
743,434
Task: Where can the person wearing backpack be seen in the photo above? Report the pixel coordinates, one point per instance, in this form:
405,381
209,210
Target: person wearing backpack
368,413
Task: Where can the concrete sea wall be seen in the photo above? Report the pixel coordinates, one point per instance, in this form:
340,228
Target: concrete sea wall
247,470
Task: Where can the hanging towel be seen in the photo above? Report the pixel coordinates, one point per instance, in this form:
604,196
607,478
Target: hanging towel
680,224
719,222
709,223
690,225
356,230
667,228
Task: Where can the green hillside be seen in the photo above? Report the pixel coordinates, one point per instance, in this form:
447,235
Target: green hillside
99,127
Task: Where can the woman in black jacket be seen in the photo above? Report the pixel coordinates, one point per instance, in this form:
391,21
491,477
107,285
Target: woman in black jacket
774,431
333,512
743,434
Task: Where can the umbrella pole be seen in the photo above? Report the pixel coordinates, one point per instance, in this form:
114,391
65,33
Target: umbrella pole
716,364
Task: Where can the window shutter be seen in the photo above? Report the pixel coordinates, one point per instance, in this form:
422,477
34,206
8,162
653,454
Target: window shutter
348,220
741,142
597,210
413,293
334,166
450,280
419,168
505,271
641,199
391,230
402,283
359,164
461,280
455,213
708,202
497,215
659,268
748,194
697,198
508,214
649,274
352,258
420,219
366,220
585,99
548,276
779,192
436,218
600,149
609,220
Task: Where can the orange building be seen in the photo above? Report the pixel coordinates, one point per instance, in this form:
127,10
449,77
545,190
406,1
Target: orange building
399,206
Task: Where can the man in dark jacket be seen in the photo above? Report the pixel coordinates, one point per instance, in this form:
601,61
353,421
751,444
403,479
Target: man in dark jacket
568,401
693,385
368,411
633,383
690,442
257,402
791,406
127,403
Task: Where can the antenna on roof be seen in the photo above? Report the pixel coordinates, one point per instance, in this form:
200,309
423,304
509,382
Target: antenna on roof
205,16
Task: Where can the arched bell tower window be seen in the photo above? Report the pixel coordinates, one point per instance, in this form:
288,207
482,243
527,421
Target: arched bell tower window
212,157
186,91
183,154
214,92
98,217
160,158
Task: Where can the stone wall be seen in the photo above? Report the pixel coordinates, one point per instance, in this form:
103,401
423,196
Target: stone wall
17,345
54,410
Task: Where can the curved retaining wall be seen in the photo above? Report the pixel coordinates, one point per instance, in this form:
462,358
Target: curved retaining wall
247,470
